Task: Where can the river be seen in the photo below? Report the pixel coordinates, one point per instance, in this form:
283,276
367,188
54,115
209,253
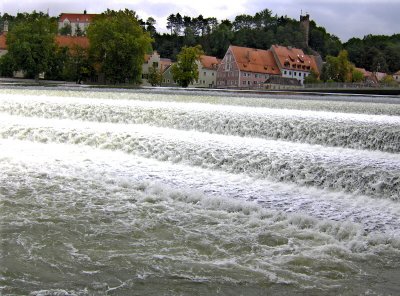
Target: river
161,192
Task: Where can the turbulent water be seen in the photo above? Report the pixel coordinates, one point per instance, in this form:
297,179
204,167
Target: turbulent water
161,193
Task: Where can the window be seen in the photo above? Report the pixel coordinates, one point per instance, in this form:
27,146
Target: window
212,73
155,65
255,75
248,82
285,72
290,73
294,73
204,73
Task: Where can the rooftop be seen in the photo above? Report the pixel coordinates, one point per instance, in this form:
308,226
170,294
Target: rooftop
76,17
255,60
209,62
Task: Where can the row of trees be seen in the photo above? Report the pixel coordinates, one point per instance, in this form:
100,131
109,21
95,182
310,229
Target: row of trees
117,48
375,53
119,40
260,30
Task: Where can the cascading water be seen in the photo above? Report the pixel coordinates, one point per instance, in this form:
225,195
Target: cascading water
117,193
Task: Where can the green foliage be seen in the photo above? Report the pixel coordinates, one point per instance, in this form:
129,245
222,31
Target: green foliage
118,44
312,78
6,66
31,43
323,42
56,63
375,52
185,71
260,30
388,80
79,32
66,30
155,77
78,66
338,69
357,76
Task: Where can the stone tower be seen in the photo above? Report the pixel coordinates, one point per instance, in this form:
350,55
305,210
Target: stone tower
305,28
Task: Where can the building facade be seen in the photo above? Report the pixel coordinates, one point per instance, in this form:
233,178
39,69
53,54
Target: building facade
3,44
153,61
396,76
244,67
77,21
207,67
293,63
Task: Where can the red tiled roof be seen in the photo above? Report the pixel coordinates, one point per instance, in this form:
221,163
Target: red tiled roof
209,62
164,64
62,41
3,43
72,41
255,60
292,58
76,17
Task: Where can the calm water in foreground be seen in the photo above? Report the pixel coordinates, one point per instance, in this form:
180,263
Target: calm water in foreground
161,193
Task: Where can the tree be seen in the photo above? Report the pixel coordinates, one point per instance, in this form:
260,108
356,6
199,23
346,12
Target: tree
186,71
388,80
56,63
78,65
6,66
311,78
118,44
338,68
155,76
150,26
79,32
31,42
66,30
357,76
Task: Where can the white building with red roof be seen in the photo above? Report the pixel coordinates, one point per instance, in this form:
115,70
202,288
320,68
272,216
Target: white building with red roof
293,62
75,20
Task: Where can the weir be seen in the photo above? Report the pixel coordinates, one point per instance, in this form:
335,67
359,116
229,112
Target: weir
120,192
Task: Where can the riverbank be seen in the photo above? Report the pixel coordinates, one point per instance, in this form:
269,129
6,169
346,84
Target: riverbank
312,91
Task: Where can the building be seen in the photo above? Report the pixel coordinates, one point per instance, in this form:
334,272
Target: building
293,63
3,44
72,42
396,76
153,61
207,67
77,21
244,67
3,36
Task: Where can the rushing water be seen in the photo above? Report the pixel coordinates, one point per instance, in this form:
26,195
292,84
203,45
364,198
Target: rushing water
161,193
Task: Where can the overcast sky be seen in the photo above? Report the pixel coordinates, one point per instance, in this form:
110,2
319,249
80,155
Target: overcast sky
343,18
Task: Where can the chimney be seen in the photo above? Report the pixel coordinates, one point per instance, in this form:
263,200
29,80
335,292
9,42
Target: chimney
84,12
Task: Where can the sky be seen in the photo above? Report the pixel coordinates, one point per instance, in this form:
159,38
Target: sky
343,18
